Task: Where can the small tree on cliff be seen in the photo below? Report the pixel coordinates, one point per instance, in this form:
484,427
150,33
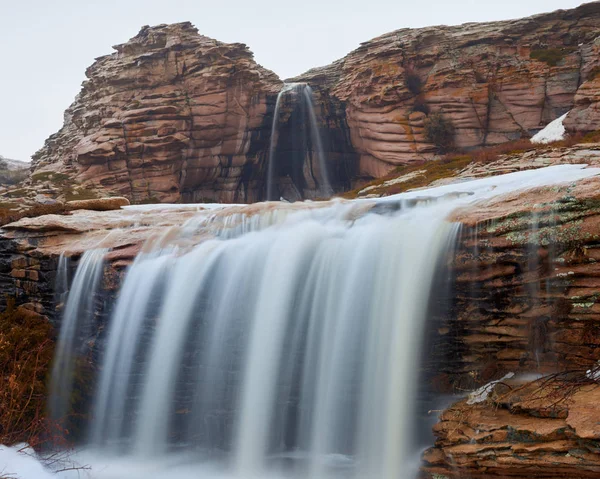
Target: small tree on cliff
440,131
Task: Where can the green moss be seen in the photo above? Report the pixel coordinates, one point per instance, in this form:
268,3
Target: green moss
78,193
551,56
432,171
51,176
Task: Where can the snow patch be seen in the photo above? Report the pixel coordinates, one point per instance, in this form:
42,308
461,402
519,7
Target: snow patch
594,373
483,392
21,462
554,131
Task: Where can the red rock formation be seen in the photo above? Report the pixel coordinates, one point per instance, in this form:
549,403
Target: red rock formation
585,115
525,300
494,81
176,116
172,115
546,429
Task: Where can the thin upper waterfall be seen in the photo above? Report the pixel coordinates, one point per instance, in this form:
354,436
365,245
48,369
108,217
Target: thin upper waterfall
273,340
297,162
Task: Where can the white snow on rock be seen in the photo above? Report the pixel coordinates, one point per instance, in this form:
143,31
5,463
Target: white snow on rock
594,373
554,131
484,391
21,462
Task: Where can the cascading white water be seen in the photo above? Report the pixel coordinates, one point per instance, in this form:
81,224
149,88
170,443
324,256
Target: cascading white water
304,94
284,346
76,323
294,339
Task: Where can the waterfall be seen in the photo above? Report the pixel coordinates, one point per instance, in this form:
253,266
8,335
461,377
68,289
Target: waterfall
274,340
294,340
302,97
61,285
76,324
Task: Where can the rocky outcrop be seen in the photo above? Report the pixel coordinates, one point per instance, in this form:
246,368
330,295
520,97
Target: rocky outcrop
495,82
174,116
170,116
544,429
525,300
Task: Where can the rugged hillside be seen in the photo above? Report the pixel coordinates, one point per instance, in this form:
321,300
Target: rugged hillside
495,82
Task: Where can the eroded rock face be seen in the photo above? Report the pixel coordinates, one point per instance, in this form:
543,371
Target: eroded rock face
525,302
526,284
495,82
585,116
171,116
544,429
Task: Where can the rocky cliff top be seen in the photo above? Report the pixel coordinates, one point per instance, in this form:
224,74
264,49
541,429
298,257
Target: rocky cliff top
167,111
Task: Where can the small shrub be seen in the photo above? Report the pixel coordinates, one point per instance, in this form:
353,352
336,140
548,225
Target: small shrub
440,131
26,348
551,56
413,82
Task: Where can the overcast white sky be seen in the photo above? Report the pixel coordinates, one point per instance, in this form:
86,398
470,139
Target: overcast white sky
46,45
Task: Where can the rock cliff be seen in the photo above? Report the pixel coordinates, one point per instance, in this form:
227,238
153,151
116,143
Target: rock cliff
173,116
170,116
494,82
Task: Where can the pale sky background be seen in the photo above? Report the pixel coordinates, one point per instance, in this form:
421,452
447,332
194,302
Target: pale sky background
46,45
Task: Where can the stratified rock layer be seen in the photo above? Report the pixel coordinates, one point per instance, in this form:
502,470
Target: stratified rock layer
546,429
171,116
495,82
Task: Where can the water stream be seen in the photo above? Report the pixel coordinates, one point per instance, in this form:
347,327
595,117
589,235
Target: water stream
314,170
286,345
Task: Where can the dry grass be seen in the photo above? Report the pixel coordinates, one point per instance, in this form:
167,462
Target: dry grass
451,163
26,349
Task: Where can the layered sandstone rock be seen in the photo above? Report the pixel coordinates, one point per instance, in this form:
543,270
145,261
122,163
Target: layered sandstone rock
525,301
495,82
171,115
585,115
175,116
544,429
